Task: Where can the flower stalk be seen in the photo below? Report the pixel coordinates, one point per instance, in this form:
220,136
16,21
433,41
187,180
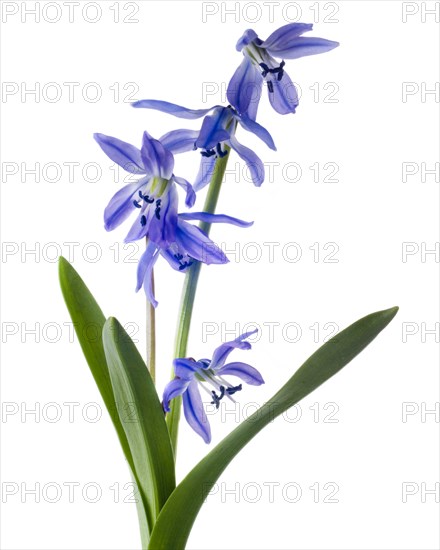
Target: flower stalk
151,334
189,292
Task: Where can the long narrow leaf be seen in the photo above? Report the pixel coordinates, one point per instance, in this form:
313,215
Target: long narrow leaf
88,321
178,515
145,428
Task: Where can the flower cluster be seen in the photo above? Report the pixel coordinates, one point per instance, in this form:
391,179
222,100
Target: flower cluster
154,199
154,196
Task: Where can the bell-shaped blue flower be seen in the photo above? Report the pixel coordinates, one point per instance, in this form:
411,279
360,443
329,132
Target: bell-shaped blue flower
153,197
259,64
208,375
190,244
218,128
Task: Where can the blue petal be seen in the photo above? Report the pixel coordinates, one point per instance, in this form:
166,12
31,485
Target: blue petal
179,141
214,218
253,105
244,87
157,160
282,38
248,36
253,162
221,353
284,97
198,245
139,230
303,46
170,108
162,227
261,132
248,374
190,193
177,257
124,154
173,389
213,129
194,413
206,170
121,205
185,368
144,270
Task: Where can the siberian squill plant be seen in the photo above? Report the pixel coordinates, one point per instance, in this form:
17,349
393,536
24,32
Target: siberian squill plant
167,509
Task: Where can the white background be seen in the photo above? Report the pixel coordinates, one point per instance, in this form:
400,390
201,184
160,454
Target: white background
369,130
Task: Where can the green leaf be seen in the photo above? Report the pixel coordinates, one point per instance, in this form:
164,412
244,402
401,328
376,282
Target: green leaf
145,426
88,321
179,513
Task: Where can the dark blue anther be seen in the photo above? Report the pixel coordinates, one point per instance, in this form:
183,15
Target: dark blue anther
265,68
279,71
220,153
146,198
135,202
231,391
157,211
218,398
143,221
208,153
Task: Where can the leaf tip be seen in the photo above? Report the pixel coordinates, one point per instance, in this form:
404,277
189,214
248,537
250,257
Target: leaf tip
111,323
62,264
391,312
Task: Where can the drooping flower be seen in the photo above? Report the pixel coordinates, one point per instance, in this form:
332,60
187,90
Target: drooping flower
258,65
153,197
218,129
191,244
191,375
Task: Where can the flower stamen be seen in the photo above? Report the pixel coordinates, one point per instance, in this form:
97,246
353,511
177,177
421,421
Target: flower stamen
218,398
157,211
234,389
220,153
279,71
146,198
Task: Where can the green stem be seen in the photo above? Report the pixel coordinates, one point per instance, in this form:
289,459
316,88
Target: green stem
151,335
189,292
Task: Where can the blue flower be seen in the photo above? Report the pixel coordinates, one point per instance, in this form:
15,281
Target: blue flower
191,375
244,89
218,128
191,244
153,197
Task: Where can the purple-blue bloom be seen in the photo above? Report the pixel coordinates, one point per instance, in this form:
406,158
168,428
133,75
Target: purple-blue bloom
153,197
218,128
258,65
191,244
191,375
